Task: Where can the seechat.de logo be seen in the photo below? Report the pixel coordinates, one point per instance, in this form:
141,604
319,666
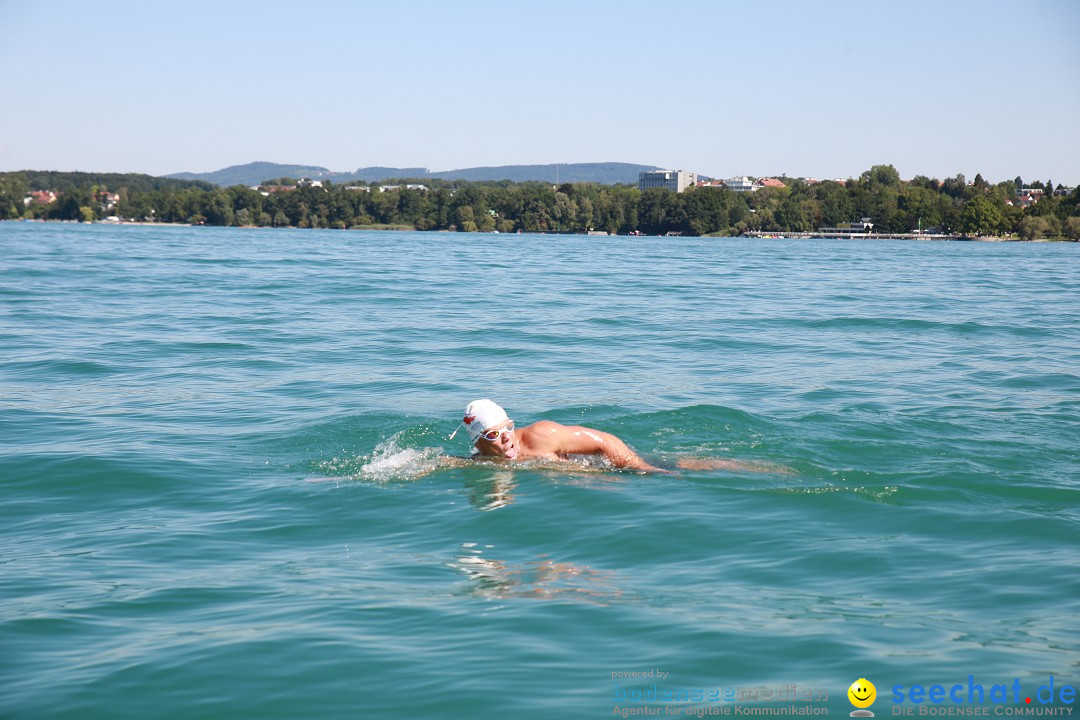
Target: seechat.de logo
862,694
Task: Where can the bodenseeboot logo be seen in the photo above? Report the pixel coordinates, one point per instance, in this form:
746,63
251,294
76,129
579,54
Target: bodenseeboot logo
862,694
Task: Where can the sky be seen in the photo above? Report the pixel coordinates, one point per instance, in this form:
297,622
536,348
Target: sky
813,89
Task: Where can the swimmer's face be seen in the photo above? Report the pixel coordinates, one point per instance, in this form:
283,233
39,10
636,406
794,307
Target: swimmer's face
862,693
503,446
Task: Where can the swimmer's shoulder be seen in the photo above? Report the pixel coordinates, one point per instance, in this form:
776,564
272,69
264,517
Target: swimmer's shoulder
544,426
542,436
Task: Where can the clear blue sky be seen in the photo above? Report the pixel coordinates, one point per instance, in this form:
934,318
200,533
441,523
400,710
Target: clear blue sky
823,89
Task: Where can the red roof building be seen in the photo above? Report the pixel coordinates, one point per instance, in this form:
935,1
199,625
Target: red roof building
41,197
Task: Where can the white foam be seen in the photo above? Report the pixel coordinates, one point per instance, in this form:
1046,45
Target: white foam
388,461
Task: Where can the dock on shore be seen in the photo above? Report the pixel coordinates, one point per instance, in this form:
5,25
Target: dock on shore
852,235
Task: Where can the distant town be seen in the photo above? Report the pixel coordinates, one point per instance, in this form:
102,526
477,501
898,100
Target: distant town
876,205
680,180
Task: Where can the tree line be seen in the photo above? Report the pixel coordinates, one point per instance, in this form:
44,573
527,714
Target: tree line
894,206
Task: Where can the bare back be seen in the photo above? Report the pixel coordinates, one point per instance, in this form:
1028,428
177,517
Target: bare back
552,441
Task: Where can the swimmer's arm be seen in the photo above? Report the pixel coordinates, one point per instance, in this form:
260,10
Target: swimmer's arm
454,461
577,440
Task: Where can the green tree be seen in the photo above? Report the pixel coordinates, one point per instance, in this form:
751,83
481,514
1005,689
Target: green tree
920,208
708,210
885,210
69,205
217,209
1053,226
486,222
835,204
1033,227
956,187
586,215
796,214
950,212
1012,216
466,220
13,190
981,217
1072,228
1003,192
564,212
880,175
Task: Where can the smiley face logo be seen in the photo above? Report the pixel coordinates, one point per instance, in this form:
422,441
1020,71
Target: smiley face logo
862,694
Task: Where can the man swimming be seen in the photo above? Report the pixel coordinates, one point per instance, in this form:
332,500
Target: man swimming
493,435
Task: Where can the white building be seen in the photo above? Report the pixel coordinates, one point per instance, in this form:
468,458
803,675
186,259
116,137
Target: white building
741,184
677,180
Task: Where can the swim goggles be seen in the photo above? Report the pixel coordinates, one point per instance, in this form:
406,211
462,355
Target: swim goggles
494,434
489,435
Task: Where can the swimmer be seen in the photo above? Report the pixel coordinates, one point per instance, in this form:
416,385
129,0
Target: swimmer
494,436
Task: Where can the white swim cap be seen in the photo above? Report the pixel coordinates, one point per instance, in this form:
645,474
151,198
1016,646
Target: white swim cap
481,415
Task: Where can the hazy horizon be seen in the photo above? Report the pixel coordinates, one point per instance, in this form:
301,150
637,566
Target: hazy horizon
823,90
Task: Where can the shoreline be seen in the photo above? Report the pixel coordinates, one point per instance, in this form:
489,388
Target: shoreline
99,222
893,236
754,235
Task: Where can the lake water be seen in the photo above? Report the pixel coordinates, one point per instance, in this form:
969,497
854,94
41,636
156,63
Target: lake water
222,499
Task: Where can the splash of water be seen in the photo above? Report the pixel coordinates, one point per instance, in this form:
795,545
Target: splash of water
389,461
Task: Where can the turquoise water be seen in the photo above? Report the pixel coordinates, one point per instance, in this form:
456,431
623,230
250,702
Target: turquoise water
221,494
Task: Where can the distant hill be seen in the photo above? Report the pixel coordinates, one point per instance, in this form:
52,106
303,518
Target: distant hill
607,173
254,173
62,181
